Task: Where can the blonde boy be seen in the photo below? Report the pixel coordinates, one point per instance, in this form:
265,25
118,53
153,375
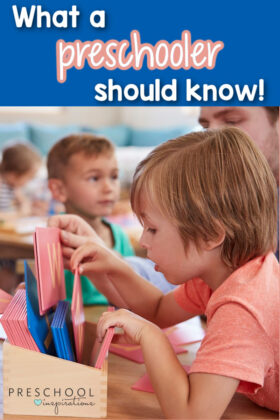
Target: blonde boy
207,202
83,175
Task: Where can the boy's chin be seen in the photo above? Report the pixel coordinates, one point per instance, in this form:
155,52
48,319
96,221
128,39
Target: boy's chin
168,277
174,279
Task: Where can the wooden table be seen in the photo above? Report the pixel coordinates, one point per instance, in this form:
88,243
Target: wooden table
124,403
14,246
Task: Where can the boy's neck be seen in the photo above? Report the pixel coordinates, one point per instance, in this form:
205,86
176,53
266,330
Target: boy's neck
217,271
217,277
96,223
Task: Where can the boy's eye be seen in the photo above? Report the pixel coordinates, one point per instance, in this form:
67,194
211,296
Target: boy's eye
233,120
150,230
94,178
116,176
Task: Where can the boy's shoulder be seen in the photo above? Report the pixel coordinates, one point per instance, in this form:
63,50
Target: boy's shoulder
254,286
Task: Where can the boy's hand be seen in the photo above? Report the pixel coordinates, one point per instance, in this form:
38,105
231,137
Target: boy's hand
74,233
133,325
94,257
72,224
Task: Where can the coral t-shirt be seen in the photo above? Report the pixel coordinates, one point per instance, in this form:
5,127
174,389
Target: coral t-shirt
242,337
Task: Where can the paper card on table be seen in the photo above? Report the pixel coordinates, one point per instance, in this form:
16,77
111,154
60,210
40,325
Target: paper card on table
78,317
38,325
134,353
49,267
100,350
186,332
5,299
144,383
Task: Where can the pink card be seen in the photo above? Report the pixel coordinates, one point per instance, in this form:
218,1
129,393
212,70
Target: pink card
100,350
134,353
49,268
5,299
78,317
144,383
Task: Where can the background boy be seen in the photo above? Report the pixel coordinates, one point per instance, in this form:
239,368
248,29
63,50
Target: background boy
18,166
83,175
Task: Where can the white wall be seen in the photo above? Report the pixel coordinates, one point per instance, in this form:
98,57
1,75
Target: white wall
156,117
139,117
91,116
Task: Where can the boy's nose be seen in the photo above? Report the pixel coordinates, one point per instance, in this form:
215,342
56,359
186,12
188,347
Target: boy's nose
107,186
142,242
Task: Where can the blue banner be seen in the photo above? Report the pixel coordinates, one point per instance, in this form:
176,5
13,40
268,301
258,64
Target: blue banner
144,53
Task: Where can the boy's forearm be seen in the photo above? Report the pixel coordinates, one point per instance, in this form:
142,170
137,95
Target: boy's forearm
140,296
169,379
108,289
136,293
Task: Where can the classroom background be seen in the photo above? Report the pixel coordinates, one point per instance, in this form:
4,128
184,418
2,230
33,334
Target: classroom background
135,131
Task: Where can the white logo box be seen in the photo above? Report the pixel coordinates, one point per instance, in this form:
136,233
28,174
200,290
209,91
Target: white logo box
42,385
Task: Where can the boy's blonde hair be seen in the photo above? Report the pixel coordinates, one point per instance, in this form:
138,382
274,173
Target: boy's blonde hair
208,180
19,158
88,144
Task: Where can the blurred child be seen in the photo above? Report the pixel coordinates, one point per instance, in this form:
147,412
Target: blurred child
207,202
83,175
18,166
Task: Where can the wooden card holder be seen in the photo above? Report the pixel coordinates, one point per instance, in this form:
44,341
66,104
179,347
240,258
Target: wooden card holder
42,385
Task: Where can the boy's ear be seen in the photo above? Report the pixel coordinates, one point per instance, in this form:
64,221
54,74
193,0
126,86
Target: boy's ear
58,190
215,243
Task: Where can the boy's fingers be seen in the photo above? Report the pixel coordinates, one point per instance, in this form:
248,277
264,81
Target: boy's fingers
68,222
67,252
89,267
104,323
71,239
87,250
59,221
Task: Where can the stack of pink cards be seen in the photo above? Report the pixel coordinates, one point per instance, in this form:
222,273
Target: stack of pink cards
49,268
78,317
14,322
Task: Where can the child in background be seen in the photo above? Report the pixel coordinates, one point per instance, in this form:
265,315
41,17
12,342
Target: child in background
19,165
83,175
208,204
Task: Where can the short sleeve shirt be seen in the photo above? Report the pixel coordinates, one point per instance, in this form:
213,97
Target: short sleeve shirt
242,337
